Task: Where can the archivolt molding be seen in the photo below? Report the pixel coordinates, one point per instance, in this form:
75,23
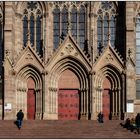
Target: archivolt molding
32,72
112,74
71,64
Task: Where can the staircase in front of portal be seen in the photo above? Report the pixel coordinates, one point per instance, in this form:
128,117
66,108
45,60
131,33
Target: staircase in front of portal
64,129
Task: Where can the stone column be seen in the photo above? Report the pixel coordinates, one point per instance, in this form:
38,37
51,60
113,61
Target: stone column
84,112
112,102
123,108
119,102
45,95
52,111
38,93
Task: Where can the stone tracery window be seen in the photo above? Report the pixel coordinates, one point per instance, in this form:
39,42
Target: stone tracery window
32,18
67,19
106,24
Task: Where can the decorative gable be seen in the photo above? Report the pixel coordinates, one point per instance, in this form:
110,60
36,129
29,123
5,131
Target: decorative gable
28,57
68,49
109,57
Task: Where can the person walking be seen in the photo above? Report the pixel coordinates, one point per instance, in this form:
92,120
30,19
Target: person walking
100,117
137,120
20,116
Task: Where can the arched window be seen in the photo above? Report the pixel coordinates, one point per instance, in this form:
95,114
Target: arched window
106,24
74,23
32,23
64,20
72,20
137,89
56,27
112,30
138,45
25,29
32,29
82,27
38,35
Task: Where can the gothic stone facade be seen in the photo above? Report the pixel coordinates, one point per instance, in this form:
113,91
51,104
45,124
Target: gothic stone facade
68,83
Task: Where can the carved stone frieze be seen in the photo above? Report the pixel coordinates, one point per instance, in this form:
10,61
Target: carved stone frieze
62,53
109,57
52,89
76,54
13,72
44,72
29,57
69,48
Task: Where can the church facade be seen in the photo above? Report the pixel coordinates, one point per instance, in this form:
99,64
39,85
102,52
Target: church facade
69,60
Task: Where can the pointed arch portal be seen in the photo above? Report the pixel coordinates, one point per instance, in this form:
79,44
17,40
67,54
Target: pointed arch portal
31,103
106,98
68,96
109,97
69,78
29,92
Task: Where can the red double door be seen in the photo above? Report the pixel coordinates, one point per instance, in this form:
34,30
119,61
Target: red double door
106,104
31,104
68,105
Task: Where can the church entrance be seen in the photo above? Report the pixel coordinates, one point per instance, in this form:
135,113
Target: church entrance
68,104
106,99
68,96
31,103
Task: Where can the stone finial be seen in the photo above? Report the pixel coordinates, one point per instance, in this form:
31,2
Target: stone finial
129,52
28,38
109,38
69,26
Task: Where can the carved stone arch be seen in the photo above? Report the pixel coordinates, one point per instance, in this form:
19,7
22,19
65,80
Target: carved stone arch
107,14
44,7
74,81
116,96
55,6
24,74
73,6
114,72
69,62
98,7
76,71
81,73
23,5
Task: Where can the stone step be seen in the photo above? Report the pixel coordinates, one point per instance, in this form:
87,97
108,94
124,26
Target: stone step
64,129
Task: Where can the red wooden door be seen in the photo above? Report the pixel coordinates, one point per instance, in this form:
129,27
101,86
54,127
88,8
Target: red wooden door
31,104
68,105
106,104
